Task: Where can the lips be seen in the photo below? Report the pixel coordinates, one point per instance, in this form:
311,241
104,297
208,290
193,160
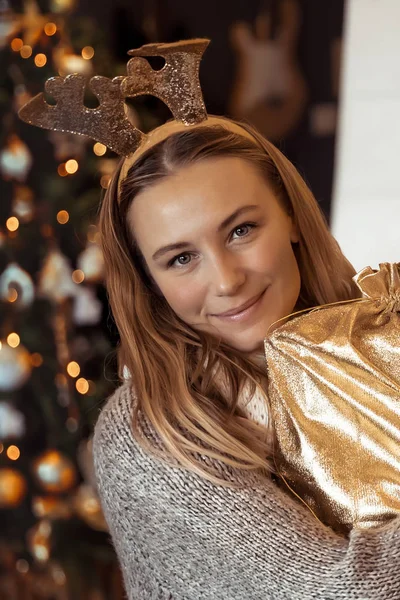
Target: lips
240,308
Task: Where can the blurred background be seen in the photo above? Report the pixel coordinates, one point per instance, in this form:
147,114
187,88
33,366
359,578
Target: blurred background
319,79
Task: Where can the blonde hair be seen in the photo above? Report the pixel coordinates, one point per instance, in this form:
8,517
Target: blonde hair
173,366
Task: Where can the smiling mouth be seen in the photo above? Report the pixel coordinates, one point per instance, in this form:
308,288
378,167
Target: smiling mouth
240,309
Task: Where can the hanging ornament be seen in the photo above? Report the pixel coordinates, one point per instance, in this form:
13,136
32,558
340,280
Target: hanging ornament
87,307
12,488
8,24
22,204
51,507
68,62
55,278
15,159
91,262
15,367
54,471
12,421
38,540
87,507
14,281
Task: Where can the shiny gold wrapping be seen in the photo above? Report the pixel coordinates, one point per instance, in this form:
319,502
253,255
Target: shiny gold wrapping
334,389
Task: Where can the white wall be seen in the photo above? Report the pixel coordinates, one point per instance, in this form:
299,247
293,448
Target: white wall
366,204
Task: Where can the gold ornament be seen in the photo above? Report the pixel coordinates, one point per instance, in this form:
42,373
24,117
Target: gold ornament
15,366
38,540
54,472
87,506
12,488
51,507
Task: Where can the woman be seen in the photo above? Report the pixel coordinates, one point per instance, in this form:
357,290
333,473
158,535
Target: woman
211,219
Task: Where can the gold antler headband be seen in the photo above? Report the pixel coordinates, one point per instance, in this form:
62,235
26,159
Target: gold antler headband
177,84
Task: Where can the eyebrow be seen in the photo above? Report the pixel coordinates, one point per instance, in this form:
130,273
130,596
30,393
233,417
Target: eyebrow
180,245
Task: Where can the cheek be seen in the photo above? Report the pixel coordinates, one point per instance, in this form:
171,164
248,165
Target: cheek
184,299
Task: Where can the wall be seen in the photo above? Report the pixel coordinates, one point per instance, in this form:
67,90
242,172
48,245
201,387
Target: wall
366,207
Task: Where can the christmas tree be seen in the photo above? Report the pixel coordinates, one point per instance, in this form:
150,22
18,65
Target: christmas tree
57,338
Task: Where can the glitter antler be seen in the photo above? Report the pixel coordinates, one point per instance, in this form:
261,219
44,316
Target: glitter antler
107,123
176,84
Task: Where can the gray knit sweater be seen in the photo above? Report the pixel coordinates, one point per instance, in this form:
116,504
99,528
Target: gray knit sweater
179,537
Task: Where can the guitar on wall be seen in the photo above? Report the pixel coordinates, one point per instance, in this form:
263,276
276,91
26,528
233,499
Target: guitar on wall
269,89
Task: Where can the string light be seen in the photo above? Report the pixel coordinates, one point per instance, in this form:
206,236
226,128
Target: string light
36,359
99,149
78,276
63,217
13,340
50,29
25,51
105,181
87,52
82,385
12,294
73,369
61,170
71,166
13,453
40,60
16,44
12,224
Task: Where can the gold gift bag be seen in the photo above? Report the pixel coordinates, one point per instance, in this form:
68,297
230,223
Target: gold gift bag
334,389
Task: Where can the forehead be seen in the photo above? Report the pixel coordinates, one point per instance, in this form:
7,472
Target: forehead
208,187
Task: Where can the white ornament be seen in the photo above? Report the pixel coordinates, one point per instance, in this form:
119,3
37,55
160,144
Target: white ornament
15,277
12,422
91,262
15,367
87,308
55,281
15,159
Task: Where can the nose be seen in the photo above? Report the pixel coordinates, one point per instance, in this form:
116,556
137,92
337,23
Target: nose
226,274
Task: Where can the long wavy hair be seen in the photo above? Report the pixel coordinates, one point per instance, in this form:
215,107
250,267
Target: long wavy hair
176,371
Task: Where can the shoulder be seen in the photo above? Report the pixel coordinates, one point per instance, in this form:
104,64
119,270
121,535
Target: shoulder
114,446
114,420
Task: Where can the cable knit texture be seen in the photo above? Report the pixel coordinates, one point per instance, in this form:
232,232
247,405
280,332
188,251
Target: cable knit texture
180,537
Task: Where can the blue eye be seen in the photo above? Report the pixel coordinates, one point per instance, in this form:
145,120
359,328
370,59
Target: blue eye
245,226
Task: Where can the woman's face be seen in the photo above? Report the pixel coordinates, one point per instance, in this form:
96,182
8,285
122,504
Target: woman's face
215,237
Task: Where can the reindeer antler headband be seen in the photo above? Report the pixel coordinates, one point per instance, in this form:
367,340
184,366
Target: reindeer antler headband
177,84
